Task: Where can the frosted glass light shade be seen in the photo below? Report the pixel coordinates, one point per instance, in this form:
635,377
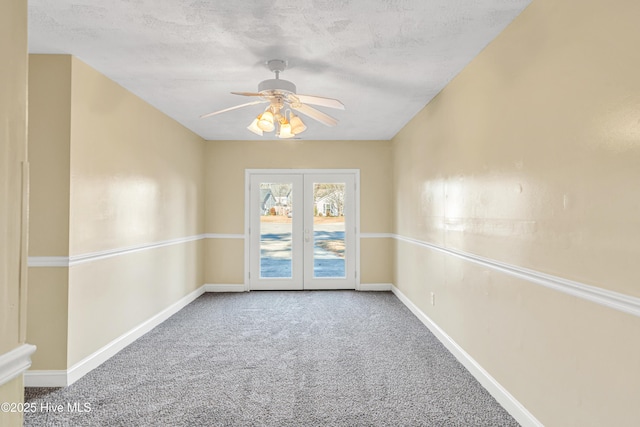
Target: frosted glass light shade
285,131
266,122
297,126
253,127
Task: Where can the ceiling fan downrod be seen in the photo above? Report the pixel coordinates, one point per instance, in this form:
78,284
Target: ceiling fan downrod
272,86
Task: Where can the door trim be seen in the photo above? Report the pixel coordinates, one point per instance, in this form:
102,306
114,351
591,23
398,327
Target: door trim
247,212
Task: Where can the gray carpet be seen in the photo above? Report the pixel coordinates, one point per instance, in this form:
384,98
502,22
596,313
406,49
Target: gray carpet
324,358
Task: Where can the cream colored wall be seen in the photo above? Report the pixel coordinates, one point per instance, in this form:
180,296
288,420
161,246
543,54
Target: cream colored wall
13,224
137,174
226,162
224,261
13,104
109,297
122,175
136,179
530,156
49,154
10,392
376,260
47,316
49,158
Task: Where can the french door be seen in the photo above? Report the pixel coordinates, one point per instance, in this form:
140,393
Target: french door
302,230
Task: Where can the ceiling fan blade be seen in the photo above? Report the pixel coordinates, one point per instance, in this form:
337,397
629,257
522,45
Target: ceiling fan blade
315,114
320,100
247,93
231,108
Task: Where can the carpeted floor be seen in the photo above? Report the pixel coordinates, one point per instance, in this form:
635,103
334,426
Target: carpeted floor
299,358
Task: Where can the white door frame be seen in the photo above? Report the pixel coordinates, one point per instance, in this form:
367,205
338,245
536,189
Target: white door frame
247,213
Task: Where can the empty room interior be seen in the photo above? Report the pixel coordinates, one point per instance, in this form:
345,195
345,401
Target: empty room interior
474,166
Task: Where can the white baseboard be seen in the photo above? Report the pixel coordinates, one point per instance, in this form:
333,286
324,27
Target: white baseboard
369,287
63,378
219,287
51,378
508,402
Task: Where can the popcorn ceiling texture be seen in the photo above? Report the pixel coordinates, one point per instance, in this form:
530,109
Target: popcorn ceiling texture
385,59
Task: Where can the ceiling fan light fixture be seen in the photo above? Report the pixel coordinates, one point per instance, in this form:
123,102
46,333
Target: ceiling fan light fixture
297,126
265,122
253,127
285,131
282,98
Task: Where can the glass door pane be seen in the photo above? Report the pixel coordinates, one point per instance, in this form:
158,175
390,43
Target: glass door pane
275,234
328,230
276,211
302,231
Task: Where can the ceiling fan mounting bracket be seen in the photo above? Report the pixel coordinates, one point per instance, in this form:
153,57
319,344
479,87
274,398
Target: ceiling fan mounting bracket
277,65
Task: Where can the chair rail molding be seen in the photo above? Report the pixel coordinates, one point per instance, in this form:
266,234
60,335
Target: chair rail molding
15,362
70,261
615,300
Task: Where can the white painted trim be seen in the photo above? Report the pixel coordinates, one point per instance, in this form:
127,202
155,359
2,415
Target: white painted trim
15,362
48,261
375,287
61,261
94,256
247,213
618,301
89,363
300,171
219,287
358,234
377,235
94,360
506,399
247,229
42,378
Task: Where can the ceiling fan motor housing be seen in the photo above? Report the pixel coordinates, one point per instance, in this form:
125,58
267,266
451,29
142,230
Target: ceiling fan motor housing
278,85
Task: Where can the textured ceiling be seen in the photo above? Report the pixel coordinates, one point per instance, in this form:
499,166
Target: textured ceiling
384,59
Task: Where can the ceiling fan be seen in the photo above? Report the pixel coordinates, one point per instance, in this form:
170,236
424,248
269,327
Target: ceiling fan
282,98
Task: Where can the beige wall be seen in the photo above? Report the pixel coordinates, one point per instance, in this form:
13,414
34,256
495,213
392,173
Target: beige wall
125,176
530,157
226,162
109,297
48,316
137,178
13,391
49,154
137,174
13,226
49,158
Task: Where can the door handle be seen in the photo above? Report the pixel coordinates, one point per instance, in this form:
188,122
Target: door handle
307,236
